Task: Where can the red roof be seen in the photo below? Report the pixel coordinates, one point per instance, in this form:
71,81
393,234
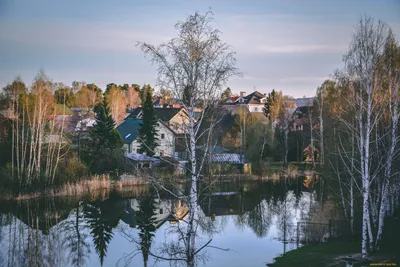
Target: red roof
233,98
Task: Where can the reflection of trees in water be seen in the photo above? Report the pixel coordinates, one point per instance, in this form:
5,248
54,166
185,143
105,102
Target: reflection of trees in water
33,237
102,217
146,221
76,237
178,247
260,219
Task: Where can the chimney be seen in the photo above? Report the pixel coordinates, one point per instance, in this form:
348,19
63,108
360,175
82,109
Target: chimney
242,94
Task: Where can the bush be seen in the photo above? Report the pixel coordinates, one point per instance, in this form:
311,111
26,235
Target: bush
70,170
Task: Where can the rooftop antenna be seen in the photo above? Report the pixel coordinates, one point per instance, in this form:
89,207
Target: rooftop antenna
254,87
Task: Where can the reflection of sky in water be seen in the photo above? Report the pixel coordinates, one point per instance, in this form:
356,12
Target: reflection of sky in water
253,238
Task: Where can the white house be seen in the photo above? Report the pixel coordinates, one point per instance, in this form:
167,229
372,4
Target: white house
129,131
254,102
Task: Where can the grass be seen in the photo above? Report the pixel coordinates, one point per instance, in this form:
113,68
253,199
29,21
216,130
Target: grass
317,255
331,254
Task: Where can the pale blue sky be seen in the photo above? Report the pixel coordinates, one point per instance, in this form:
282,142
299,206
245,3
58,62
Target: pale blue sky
285,45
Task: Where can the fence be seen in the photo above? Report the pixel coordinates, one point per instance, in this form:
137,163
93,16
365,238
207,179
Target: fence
310,232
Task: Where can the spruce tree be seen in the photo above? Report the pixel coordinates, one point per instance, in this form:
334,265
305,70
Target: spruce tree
105,149
269,103
148,132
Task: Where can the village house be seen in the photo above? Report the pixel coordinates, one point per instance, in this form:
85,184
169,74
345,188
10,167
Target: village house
129,130
254,102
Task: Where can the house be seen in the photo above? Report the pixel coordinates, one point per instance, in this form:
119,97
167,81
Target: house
174,118
254,102
168,210
129,130
142,161
301,114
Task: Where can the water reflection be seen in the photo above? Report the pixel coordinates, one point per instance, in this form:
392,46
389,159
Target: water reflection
237,223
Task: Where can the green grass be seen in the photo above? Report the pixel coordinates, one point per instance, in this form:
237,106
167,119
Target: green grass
317,255
326,254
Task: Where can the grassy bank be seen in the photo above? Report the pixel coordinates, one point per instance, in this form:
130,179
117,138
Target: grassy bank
334,253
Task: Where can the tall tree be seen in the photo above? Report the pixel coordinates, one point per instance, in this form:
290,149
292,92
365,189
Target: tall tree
166,96
143,92
105,150
269,103
198,62
116,102
148,132
226,94
132,99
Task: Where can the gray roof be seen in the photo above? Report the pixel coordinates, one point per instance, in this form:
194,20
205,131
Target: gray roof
163,114
303,102
228,158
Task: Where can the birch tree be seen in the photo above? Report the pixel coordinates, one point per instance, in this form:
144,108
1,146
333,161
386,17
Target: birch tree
196,65
361,60
116,102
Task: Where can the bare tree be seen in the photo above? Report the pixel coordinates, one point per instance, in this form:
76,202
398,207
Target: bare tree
195,65
361,61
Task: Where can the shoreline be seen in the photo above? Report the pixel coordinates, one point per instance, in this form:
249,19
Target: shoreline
104,182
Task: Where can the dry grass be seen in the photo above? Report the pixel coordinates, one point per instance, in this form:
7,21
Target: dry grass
94,184
98,185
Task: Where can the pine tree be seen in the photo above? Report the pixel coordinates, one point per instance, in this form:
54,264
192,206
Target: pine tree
103,133
269,103
105,151
148,132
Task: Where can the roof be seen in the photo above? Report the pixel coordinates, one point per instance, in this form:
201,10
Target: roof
253,98
82,125
163,114
232,98
129,129
228,158
305,101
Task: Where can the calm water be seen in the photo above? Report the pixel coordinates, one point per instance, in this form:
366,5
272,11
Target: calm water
243,224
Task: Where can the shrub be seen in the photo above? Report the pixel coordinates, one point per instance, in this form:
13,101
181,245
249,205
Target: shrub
71,170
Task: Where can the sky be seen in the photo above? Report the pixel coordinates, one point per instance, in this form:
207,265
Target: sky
285,45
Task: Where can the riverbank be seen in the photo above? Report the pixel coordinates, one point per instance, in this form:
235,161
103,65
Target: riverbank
336,253
88,186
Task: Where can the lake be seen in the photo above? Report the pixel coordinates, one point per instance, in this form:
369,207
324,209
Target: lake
240,224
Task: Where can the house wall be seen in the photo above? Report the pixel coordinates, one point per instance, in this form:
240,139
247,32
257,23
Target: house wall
165,145
255,107
177,122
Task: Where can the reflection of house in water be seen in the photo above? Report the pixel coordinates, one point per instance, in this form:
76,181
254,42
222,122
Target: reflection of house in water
227,203
160,211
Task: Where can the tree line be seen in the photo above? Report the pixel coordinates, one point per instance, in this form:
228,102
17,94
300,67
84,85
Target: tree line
35,140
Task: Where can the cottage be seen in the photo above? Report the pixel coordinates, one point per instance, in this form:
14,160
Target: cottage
129,130
254,102
174,118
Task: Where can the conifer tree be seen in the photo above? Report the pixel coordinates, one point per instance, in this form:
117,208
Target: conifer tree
148,132
269,103
105,149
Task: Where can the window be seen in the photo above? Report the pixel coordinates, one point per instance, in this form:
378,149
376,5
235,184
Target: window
162,136
161,211
256,109
161,153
